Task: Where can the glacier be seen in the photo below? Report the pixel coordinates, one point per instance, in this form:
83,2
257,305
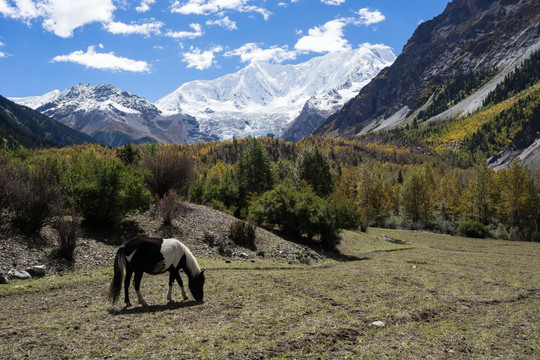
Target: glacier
265,98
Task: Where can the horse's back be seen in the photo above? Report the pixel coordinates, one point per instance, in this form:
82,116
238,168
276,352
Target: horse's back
154,255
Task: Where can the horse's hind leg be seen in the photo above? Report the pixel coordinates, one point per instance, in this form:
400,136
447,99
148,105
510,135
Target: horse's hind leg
137,281
179,280
127,282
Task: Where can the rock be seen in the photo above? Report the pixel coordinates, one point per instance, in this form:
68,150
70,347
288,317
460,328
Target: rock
3,278
394,241
378,323
16,274
40,269
36,270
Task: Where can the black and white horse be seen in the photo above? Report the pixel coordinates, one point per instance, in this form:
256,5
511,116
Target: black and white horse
155,256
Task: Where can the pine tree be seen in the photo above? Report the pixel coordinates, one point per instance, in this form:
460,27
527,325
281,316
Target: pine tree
314,168
254,169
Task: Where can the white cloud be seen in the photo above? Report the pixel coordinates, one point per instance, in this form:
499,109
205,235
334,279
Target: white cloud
252,52
368,17
326,38
60,17
103,61
206,7
152,27
24,10
197,32
64,16
333,2
200,60
145,5
224,23
2,54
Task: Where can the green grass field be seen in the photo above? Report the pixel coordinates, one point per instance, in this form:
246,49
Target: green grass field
439,296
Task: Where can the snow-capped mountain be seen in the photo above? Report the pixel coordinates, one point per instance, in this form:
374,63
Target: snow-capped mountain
113,116
264,98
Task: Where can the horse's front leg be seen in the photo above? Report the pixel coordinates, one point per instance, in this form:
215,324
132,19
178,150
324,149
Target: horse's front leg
171,283
137,281
179,280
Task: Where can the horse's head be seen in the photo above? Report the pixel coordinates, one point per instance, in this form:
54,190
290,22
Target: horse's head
196,285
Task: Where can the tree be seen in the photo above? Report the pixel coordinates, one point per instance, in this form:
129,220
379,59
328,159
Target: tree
519,202
480,196
417,196
167,169
254,170
314,168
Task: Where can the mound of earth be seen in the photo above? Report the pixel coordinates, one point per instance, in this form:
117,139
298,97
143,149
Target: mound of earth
193,225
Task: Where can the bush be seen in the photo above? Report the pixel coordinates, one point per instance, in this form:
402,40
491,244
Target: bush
168,207
32,192
243,234
103,188
474,229
167,169
303,213
69,230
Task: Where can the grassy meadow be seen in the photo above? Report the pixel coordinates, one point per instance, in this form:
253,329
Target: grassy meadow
439,297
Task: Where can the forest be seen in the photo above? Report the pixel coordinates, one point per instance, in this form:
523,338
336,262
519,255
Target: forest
310,190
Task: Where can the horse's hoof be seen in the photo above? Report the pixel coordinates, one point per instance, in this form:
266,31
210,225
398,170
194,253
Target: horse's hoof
185,299
128,305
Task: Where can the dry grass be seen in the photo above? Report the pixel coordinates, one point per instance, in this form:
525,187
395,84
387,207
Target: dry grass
440,297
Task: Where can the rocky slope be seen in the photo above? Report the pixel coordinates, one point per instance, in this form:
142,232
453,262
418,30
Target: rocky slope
20,125
470,36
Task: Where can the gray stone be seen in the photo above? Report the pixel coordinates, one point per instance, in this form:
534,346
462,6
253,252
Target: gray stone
16,274
378,323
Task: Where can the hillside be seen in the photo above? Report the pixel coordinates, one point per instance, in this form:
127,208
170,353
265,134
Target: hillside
20,125
462,54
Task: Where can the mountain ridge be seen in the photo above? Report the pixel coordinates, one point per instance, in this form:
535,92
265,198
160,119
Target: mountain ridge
468,36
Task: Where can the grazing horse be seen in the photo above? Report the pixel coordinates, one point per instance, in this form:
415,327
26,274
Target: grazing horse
155,256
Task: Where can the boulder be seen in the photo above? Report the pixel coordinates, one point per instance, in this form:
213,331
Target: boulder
16,274
3,278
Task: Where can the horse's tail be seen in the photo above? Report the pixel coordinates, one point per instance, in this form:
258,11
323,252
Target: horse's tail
118,277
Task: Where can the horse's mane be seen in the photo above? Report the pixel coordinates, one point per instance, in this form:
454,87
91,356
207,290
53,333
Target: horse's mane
191,262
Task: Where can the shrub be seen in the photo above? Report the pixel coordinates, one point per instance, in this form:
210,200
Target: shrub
69,230
167,169
302,213
168,207
103,188
32,192
243,234
474,229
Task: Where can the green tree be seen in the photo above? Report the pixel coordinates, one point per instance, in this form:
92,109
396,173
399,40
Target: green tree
254,171
313,167
480,197
417,196
519,202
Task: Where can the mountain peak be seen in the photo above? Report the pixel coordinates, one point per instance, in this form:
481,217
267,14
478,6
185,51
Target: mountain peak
264,98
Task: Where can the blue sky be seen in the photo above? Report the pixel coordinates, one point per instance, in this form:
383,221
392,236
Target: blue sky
151,47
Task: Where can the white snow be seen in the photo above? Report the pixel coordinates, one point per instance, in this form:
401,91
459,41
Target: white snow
265,98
